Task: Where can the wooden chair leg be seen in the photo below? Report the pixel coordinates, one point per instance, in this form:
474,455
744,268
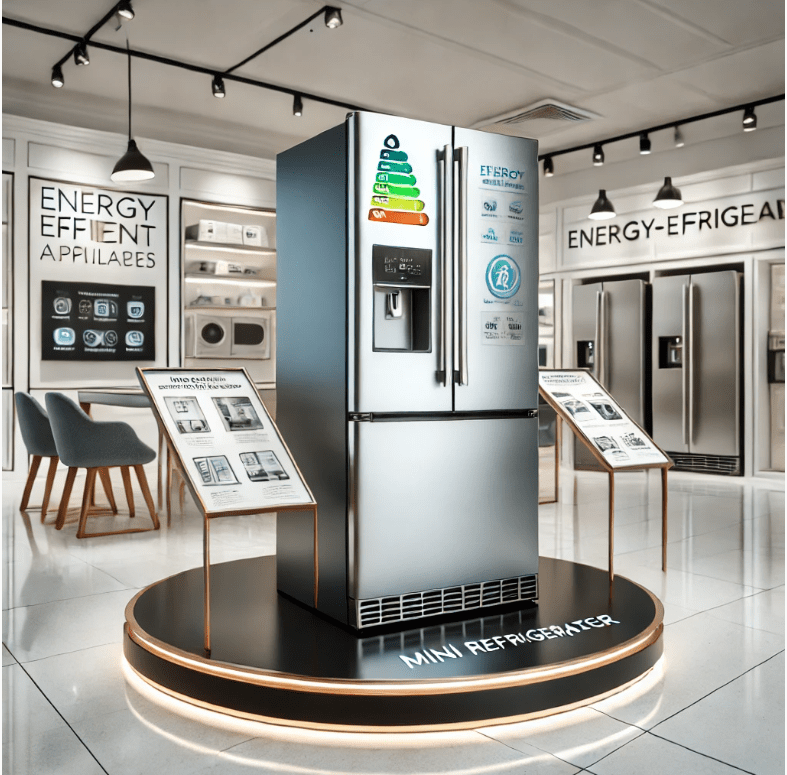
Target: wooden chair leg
103,472
181,492
64,498
31,477
50,479
126,474
90,483
143,484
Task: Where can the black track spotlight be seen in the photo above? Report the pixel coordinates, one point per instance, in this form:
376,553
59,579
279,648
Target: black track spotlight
749,119
668,196
333,18
80,54
218,87
598,155
644,143
125,10
549,167
602,207
57,77
678,137
297,105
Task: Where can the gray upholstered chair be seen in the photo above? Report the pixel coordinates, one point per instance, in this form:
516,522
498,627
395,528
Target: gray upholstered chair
37,436
97,446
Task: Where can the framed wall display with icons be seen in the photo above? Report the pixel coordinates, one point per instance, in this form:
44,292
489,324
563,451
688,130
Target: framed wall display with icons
98,265
97,322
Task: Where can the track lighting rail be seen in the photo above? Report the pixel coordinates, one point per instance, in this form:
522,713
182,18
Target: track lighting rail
182,65
669,125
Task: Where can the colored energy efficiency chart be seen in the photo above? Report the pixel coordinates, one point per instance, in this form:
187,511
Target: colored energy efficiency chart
395,197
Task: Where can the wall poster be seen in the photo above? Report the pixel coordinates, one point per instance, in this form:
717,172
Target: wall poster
100,246
594,414
229,447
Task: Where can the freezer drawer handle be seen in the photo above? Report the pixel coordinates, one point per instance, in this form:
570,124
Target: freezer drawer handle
460,264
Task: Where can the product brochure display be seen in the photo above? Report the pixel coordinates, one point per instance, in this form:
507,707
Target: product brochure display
593,412
230,449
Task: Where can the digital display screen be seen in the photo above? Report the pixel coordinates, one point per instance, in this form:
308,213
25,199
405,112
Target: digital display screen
97,322
401,265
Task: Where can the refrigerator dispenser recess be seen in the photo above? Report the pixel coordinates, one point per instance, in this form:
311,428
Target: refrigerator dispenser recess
670,352
402,290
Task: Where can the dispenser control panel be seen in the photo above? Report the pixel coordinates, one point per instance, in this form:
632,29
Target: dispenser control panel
401,266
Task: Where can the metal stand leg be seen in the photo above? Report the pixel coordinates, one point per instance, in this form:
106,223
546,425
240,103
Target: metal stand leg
611,527
206,571
664,519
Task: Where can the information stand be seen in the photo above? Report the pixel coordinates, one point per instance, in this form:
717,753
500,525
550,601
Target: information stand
234,460
612,437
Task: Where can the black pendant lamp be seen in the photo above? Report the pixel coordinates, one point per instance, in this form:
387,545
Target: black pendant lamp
132,165
602,207
668,196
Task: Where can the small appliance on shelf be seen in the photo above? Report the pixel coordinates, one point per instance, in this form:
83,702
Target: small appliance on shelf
229,270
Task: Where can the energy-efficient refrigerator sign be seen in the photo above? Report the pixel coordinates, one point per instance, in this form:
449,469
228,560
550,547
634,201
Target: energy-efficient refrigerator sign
594,413
395,197
229,446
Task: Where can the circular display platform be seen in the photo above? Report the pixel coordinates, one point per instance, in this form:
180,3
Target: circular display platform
274,660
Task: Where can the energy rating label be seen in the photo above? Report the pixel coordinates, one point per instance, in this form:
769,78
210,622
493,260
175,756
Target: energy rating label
395,196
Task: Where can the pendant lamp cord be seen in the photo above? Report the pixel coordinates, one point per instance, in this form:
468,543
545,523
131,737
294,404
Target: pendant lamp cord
128,50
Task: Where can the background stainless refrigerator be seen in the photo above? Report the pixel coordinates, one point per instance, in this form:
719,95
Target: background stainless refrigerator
697,380
407,372
610,338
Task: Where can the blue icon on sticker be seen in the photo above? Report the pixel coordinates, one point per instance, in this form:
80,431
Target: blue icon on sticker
503,277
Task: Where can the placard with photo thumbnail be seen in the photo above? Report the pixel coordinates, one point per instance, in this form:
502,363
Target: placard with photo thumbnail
599,419
229,448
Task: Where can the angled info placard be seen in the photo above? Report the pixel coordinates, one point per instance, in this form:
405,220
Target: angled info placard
596,418
230,450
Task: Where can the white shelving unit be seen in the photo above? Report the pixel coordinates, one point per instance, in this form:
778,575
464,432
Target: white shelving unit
225,282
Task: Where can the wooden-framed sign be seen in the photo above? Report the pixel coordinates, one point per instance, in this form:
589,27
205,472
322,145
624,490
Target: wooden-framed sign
229,450
613,438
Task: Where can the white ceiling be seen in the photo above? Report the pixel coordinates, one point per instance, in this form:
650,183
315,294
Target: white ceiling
635,63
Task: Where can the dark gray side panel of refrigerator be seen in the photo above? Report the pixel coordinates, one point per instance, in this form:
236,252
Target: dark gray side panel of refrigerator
311,369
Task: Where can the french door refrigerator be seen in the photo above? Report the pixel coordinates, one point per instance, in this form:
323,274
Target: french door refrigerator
407,372
696,356
609,338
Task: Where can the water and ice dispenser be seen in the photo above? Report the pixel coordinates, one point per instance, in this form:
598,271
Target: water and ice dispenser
402,298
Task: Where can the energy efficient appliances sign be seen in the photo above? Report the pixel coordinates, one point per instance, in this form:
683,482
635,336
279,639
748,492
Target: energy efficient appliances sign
96,258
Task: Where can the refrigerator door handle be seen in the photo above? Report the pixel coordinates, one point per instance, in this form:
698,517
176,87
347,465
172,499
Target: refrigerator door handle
460,264
691,291
444,164
685,361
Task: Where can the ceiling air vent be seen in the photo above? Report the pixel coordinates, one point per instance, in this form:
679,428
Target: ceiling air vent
537,120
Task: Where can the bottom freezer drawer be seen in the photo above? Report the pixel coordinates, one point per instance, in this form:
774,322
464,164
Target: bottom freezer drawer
442,503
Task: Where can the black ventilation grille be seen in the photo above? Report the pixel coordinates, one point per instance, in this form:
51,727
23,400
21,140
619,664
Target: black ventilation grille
416,605
707,464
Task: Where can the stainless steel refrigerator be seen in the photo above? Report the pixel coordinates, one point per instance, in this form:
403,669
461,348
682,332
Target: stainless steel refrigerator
697,378
407,372
610,339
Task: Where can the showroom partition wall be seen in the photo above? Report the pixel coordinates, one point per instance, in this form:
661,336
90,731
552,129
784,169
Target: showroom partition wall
728,238
75,238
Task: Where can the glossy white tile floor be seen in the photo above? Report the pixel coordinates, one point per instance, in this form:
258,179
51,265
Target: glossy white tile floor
715,704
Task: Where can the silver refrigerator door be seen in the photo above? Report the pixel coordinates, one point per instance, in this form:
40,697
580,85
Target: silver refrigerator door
495,271
398,202
622,365
714,354
669,358
441,503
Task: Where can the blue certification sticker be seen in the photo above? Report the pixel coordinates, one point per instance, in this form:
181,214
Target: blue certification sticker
503,277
